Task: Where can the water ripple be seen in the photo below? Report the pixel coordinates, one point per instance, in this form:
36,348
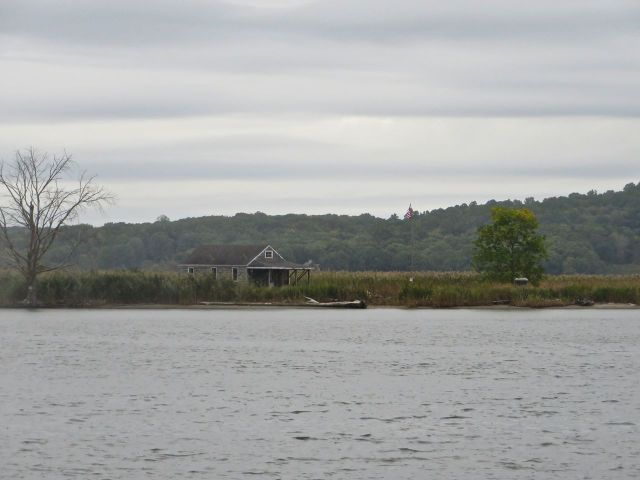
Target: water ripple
377,394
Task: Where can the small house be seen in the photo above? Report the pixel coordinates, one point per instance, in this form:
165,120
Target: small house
258,264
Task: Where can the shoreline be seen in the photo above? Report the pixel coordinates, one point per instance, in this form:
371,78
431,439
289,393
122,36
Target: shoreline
258,306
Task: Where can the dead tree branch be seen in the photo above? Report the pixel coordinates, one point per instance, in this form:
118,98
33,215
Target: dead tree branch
36,200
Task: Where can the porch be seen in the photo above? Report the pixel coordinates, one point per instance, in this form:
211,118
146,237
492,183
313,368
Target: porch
278,277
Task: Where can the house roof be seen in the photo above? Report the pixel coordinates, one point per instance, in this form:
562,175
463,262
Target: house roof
238,255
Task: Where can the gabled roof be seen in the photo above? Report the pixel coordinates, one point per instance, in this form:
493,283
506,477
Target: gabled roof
238,255
224,254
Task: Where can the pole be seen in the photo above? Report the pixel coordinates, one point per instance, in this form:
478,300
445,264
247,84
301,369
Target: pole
409,218
412,243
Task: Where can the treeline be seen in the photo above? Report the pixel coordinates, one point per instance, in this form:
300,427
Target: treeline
586,233
70,288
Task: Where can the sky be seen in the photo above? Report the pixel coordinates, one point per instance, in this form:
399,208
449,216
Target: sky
210,107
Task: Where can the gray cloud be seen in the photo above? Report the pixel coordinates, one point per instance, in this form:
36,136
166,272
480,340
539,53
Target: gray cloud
123,59
272,168
136,22
307,94
271,158
77,92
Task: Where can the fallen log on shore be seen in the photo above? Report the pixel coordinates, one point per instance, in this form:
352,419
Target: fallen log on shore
353,304
309,303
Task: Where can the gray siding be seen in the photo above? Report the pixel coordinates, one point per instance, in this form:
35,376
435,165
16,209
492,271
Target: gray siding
223,272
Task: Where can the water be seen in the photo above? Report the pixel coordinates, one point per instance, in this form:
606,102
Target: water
302,394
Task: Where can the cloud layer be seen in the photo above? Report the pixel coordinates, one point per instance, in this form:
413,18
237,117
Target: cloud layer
316,93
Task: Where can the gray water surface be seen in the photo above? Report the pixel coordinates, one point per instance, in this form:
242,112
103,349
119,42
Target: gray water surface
301,394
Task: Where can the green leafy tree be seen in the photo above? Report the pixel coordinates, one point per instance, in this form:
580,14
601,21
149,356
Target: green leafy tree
510,247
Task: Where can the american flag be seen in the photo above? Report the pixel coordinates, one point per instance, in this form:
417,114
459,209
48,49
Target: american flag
409,214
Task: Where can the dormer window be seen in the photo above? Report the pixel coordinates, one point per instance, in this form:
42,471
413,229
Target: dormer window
268,254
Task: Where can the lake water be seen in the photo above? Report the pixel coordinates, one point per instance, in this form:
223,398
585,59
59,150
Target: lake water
305,394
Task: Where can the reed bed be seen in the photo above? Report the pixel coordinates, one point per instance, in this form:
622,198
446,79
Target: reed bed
419,289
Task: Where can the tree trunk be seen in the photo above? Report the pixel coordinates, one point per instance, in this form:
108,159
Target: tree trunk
31,298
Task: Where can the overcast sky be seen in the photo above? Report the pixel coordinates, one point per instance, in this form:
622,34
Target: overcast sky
202,107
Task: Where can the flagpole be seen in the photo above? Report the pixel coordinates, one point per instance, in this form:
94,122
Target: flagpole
409,217
412,243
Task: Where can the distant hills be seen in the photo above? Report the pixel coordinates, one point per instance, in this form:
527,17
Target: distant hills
586,233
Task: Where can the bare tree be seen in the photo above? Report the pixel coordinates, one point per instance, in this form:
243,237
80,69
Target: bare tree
36,201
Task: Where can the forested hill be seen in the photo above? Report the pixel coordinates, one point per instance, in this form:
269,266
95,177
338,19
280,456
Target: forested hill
586,233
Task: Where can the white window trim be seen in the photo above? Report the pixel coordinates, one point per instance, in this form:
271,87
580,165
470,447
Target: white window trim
268,254
269,247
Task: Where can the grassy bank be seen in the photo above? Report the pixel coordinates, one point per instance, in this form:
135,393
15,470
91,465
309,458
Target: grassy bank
77,288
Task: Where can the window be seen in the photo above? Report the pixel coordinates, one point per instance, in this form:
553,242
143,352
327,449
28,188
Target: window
214,272
234,274
190,270
268,254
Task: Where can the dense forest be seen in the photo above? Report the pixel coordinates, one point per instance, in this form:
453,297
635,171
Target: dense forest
586,233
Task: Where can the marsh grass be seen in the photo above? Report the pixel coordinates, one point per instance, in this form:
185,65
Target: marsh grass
419,289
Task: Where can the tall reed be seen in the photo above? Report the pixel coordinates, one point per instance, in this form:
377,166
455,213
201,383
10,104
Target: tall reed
437,289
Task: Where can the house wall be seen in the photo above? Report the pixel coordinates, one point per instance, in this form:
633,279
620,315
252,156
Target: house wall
226,273
223,272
